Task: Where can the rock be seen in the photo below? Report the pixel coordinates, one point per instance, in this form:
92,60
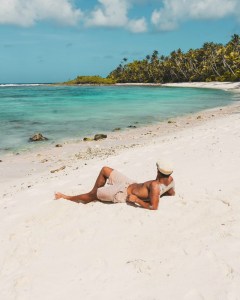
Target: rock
199,117
57,170
132,126
86,139
0,160
37,137
99,136
171,122
117,129
58,145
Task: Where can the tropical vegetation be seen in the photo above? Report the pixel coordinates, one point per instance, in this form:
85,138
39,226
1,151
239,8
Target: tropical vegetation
211,62
90,80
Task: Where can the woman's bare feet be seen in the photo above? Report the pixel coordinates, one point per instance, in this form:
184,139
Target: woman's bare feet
58,196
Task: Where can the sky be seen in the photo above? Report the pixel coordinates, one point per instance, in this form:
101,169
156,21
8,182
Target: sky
45,41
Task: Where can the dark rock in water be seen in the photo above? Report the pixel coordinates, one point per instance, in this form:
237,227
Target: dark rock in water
36,123
58,145
132,126
15,121
37,138
99,136
117,129
87,139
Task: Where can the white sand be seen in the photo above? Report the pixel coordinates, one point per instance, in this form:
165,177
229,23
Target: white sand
188,249
212,85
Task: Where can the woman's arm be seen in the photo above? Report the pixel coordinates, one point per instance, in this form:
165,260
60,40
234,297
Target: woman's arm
136,200
171,192
154,198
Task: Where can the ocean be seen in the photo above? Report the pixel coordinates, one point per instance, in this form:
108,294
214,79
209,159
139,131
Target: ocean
73,112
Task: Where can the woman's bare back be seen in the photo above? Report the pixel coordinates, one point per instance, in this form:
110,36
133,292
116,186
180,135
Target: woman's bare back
142,190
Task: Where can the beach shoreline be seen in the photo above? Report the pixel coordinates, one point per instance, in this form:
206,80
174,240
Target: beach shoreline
116,142
40,146
228,86
233,86
57,249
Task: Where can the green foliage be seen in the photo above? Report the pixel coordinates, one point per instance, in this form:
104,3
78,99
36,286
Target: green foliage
212,62
90,80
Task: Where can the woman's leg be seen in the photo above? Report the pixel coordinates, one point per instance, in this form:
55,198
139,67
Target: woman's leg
92,195
84,198
102,178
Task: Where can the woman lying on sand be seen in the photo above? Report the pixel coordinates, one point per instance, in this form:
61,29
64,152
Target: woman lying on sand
122,189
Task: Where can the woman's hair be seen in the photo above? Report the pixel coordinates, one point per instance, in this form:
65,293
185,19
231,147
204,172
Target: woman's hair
163,175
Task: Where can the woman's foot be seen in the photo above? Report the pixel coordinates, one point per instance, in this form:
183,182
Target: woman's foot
58,196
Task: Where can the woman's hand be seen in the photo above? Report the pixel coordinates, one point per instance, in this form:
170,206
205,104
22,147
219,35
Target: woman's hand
132,198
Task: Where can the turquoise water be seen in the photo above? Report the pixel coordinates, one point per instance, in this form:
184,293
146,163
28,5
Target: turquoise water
61,112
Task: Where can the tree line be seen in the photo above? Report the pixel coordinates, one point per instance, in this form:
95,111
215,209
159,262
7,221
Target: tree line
211,62
95,80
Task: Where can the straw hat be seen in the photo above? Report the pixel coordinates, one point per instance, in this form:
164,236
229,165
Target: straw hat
165,167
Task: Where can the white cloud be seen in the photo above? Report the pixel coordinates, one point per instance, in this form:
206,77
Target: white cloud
175,11
163,21
114,13
136,26
110,13
28,12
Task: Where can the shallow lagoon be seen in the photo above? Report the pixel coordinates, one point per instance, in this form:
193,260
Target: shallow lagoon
72,112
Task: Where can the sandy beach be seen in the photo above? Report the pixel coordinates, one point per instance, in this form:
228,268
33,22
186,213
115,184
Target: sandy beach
188,249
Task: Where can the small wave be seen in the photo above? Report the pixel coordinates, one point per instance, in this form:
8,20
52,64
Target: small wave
21,84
